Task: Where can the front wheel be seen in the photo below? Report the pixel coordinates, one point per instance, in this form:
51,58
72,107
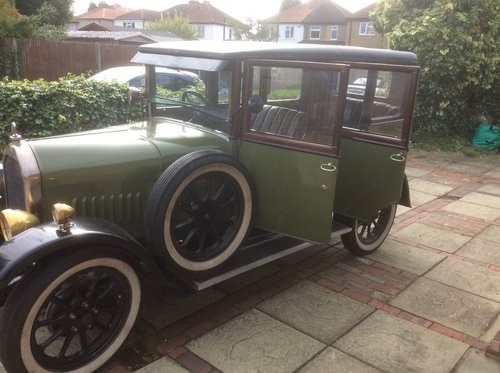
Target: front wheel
367,236
70,315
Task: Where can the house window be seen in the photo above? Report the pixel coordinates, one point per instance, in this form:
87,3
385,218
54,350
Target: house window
289,32
335,32
200,30
129,24
366,28
314,32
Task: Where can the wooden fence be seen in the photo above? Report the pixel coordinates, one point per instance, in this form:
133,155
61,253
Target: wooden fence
33,59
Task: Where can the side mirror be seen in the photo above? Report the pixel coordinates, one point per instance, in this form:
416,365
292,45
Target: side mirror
255,104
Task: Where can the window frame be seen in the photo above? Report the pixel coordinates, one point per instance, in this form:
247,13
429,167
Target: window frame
289,32
367,30
317,29
286,142
335,28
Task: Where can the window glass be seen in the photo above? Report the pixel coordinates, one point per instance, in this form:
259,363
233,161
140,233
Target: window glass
296,103
376,101
335,32
289,32
315,32
366,28
199,97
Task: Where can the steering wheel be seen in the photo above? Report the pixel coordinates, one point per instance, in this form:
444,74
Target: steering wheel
196,98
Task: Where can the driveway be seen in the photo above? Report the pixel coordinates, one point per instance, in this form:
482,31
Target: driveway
427,301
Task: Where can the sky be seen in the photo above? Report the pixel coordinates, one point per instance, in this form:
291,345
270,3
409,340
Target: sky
239,9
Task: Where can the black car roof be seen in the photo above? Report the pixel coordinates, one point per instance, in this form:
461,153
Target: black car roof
281,51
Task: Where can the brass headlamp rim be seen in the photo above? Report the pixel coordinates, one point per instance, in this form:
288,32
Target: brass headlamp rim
14,221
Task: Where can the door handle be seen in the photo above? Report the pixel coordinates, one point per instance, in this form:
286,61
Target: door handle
398,157
328,167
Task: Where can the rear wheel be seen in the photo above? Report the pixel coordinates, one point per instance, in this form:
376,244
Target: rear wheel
367,236
69,315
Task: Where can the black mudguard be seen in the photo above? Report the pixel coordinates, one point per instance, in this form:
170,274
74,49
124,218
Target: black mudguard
405,194
34,244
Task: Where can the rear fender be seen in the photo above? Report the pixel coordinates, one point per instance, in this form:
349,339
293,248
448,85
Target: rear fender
42,241
405,194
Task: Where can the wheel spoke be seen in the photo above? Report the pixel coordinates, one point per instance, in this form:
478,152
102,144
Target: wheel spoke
83,339
219,191
46,322
65,346
193,193
47,342
184,223
105,292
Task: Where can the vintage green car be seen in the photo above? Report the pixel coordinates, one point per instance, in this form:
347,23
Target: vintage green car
266,154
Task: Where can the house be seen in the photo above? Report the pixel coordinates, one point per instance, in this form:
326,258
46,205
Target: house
317,21
209,22
138,19
101,16
95,32
360,30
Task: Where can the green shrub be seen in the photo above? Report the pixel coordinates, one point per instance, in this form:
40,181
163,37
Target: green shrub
74,103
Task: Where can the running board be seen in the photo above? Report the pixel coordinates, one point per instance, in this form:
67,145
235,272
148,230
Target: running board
256,254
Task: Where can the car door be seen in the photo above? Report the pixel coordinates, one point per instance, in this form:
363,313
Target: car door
374,143
289,143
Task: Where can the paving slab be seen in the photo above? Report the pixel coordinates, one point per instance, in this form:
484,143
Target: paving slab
165,364
448,306
255,342
419,198
469,277
413,172
437,189
469,169
495,173
331,360
491,233
316,311
490,188
437,238
173,307
392,344
493,329
476,361
406,257
482,199
484,250
474,210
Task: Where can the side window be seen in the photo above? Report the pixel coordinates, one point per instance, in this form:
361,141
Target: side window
292,102
376,101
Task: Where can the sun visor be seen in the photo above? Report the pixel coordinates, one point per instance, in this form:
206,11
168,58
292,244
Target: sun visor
180,62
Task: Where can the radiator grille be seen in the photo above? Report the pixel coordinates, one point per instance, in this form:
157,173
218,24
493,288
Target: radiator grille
14,186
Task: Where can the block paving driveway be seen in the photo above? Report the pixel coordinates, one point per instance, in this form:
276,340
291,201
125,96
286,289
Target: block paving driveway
427,301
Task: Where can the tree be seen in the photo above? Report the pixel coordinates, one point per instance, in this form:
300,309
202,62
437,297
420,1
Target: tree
12,24
55,12
175,24
457,43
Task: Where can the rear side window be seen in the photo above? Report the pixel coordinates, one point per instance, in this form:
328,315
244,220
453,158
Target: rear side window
376,101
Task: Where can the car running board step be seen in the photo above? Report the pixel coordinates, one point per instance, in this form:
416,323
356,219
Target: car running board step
255,254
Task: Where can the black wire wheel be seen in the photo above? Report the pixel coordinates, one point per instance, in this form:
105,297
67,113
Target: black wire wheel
69,315
367,236
199,213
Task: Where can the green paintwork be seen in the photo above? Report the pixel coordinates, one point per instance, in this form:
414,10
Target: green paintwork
368,179
109,173
291,198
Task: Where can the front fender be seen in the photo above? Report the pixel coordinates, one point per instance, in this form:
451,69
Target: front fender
19,253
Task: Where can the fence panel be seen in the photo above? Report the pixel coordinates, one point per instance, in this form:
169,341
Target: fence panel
51,60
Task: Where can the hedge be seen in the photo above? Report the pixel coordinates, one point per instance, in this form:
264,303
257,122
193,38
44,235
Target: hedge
70,104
